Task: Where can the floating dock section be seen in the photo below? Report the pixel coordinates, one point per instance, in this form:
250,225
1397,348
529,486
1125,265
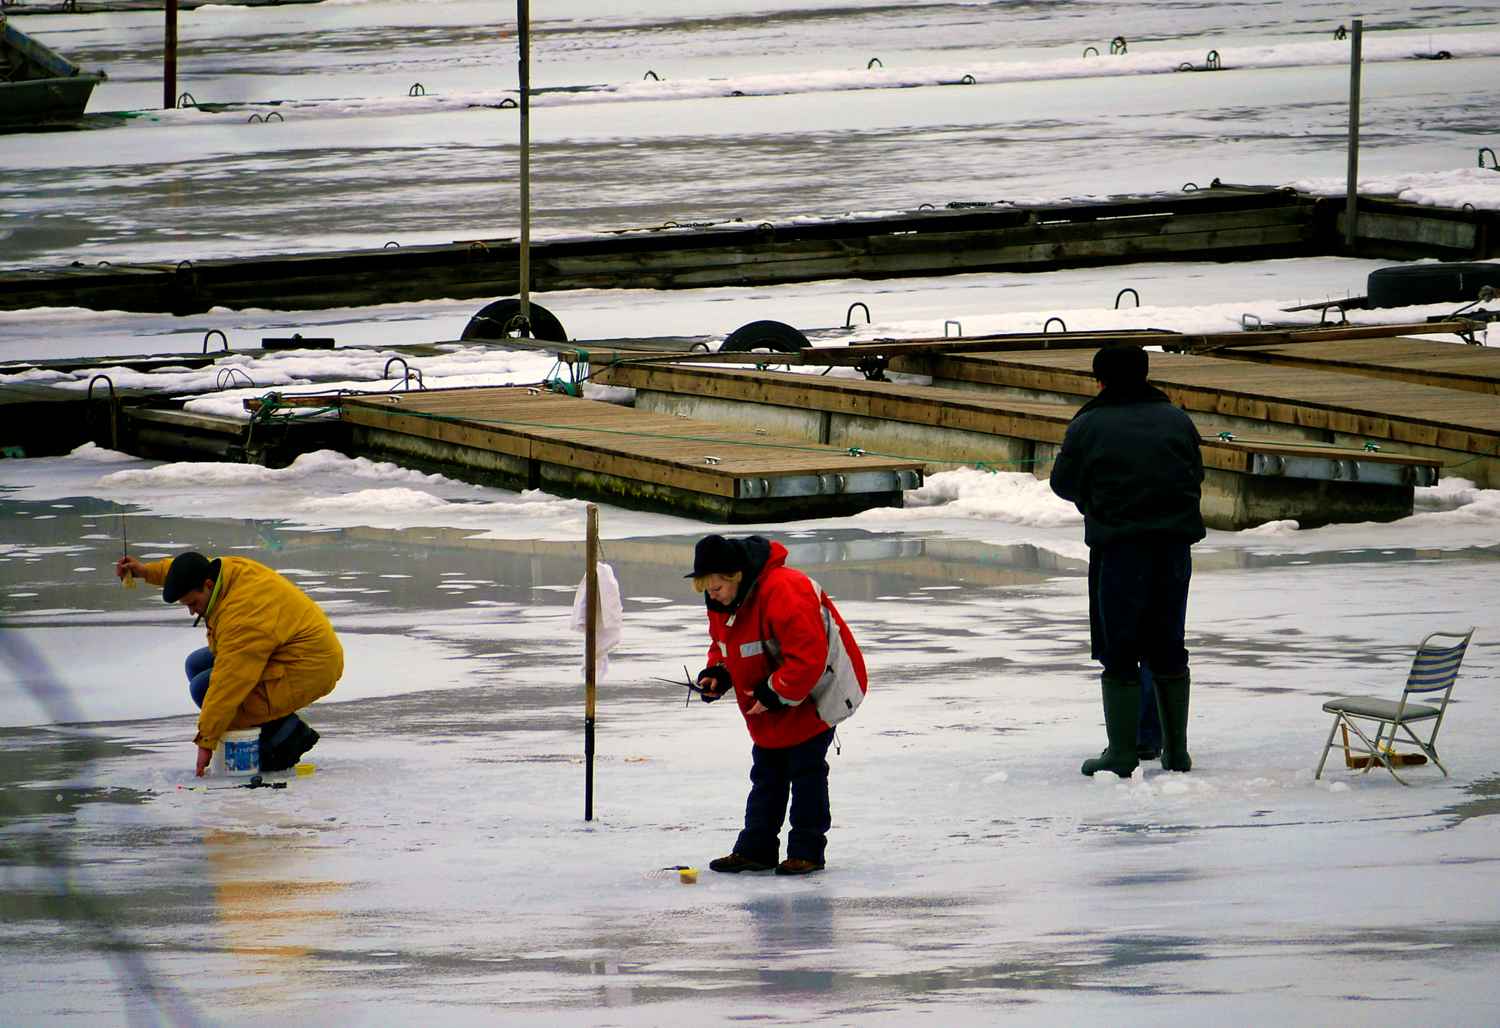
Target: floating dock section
1220,223
1249,480
1295,425
1474,369
1457,429
533,439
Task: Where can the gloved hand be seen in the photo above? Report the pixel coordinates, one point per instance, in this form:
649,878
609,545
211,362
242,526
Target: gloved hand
715,682
766,697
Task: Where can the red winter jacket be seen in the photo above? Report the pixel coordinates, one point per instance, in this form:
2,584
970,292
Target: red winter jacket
784,607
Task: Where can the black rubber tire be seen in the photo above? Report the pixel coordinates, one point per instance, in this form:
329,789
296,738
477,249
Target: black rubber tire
1417,284
490,322
765,335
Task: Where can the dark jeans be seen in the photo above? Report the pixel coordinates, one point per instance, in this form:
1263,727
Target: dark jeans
802,771
1143,593
199,664
1149,734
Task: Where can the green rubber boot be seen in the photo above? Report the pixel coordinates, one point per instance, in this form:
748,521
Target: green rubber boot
1122,719
1172,703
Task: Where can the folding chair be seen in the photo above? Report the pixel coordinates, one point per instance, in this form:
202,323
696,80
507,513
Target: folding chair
1434,669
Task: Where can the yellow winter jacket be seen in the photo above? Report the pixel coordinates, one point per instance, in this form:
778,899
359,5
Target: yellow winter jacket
274,649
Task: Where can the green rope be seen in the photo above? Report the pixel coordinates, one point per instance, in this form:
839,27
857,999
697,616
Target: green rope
1472,459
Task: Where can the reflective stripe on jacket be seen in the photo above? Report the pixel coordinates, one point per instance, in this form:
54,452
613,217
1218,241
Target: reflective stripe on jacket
781,634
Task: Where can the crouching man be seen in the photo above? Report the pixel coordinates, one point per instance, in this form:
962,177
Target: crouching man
792,664
271,651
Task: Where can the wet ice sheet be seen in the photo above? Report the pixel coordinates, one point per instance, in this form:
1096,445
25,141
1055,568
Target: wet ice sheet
836,100
437,862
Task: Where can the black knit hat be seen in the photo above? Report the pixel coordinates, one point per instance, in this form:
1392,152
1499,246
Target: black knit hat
715,555
1121,364
188,572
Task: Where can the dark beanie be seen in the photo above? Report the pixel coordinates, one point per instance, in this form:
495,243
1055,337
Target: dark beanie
1121,364
188,572
715,555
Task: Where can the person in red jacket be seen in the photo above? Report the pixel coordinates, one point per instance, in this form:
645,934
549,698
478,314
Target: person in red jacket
780,646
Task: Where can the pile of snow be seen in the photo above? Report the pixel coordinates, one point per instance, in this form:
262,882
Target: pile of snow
1015,497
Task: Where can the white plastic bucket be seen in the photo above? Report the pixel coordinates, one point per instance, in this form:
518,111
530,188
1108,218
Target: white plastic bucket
238,753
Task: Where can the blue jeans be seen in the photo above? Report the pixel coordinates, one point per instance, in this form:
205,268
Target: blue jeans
800,771
1143,593
199,664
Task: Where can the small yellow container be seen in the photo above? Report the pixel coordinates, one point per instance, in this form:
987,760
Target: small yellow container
688,876
306,769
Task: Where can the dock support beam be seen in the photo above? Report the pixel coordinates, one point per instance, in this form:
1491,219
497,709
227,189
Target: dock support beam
1356,46
590,637
523,18
169,59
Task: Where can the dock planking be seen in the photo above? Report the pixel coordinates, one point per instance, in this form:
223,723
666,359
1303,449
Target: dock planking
580,447
1325,406
1474,369
1224,222
1250,480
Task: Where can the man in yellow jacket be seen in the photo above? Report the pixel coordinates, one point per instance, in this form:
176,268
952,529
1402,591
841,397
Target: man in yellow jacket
271,651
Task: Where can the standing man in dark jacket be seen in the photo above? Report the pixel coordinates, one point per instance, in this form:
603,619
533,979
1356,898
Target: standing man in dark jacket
1131,463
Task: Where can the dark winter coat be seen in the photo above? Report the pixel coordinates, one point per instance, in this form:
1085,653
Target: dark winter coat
777,633
1131,463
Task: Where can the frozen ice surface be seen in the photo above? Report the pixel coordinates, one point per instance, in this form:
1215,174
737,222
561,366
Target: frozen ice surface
436,867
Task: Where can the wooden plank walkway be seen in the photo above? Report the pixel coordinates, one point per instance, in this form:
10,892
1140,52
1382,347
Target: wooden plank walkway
1474,369
1321,405
583,447
1222,223
957,410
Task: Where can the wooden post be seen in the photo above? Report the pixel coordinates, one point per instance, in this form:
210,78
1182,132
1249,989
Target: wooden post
169,59
523,16
590,634
1351,227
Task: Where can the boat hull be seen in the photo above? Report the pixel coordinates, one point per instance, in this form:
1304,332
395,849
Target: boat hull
45,103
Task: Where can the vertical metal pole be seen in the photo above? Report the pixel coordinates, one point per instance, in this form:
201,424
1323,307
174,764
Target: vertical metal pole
523,15
591,633
169,59
1351,227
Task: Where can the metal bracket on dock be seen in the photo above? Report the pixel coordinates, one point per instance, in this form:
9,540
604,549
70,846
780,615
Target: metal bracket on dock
828,485
112,404
1331,469
874,368
406,379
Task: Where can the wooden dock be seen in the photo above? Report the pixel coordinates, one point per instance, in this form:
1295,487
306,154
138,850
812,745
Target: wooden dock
1222,223
1250,479
1474,369
573,447
1459,428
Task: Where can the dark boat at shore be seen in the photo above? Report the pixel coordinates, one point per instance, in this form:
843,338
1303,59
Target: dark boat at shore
39,88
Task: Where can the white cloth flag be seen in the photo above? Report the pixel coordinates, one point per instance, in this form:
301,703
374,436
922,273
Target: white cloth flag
611,616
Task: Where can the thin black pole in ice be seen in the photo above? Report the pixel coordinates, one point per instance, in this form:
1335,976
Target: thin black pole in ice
523,17
1351,229
169,59
590,634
